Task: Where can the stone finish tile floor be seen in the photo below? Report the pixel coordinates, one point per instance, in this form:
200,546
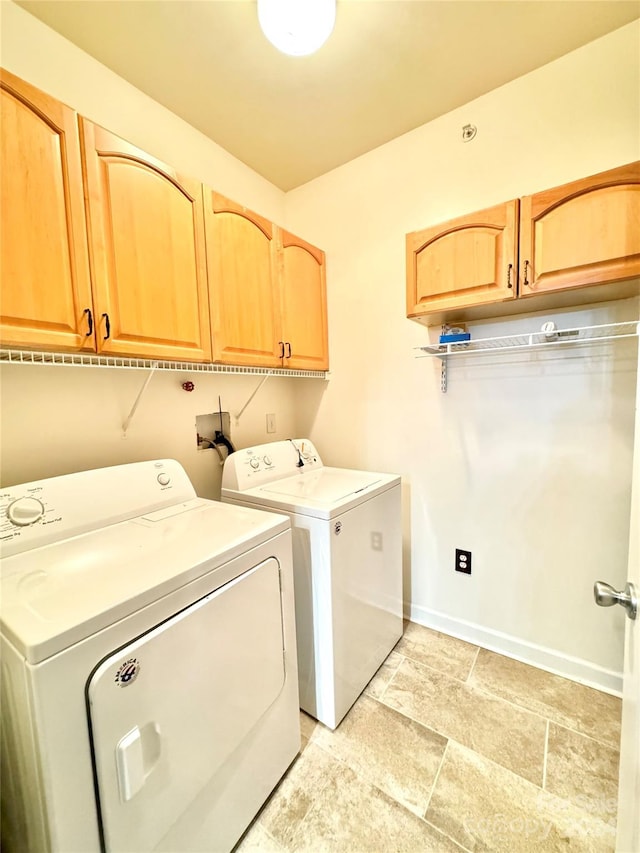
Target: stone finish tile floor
452,748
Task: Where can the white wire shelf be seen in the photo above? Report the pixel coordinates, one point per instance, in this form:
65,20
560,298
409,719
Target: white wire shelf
534,340
541,340
13,356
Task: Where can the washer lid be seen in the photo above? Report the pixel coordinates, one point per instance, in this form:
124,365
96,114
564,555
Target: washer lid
326,485
55,596
321,493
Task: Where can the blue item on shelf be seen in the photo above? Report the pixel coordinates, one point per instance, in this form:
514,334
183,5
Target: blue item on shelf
455,339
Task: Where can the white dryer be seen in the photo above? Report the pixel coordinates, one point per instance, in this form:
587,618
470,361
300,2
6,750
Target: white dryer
347,561
149,685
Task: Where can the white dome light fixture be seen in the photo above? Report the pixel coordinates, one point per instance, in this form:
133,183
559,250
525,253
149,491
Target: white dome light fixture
297,27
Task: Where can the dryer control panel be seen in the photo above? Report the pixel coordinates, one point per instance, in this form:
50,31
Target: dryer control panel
45,511
254,466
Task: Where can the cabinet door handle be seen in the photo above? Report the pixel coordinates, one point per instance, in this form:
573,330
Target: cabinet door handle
526,273
105,317
87,311
281,343
289,353
509,268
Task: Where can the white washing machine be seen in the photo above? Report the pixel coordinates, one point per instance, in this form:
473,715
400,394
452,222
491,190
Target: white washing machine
347,562
149,684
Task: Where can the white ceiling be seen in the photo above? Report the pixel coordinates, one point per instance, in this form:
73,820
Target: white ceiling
388,67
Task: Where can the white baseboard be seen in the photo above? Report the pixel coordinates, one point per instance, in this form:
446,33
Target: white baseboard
550,660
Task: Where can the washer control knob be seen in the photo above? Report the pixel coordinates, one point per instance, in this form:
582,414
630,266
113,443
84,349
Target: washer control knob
255,463
267,460
25,511
164,479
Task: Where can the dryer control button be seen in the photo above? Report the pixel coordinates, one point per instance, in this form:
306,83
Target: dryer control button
255,463
164,479
25,511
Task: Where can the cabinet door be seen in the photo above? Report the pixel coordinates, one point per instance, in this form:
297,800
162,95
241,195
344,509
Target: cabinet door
147,252
585,232
468,261
304,304
241,260
46,290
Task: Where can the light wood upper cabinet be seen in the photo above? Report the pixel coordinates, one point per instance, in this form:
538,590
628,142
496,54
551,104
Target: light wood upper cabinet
45,299
304,304
467,261
576,244
243,291
267,291
147,252
583,233
104,248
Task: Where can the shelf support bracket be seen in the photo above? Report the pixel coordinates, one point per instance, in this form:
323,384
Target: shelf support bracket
127,422
443,364
260,384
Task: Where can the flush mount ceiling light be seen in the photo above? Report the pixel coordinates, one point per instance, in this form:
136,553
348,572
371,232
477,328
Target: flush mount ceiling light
297,27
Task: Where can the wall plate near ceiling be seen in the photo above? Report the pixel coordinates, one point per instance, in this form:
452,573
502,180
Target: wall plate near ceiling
468,132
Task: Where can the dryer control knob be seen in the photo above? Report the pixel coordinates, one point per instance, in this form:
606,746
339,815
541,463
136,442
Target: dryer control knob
255,463
25,511
267,460
164,479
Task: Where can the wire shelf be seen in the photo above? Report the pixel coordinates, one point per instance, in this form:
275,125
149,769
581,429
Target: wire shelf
11,356
542,340
534,340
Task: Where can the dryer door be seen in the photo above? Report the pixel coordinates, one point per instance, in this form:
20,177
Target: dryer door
169,709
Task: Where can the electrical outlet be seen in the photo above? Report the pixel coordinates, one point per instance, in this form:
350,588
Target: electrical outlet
271,423
463,561
376,540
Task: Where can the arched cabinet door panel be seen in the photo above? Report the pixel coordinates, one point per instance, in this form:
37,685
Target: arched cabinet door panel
468,261
583,233
243,294
147,251
46,290
304,304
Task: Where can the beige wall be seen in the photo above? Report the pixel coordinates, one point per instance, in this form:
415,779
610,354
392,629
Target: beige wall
525,461
61,419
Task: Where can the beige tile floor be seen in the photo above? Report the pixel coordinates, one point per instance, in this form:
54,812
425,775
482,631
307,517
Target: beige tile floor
451,748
